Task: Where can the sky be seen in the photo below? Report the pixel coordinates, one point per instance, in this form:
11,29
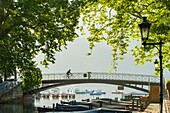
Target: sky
75,58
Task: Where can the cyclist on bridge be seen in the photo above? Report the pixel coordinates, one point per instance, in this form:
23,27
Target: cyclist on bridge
68,73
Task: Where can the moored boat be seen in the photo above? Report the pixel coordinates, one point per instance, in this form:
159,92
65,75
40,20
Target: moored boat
97,92
117,92
101,110
63,107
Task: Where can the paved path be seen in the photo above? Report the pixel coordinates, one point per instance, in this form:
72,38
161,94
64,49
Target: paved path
154,107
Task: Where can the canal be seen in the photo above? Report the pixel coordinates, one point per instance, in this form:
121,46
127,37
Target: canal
38,101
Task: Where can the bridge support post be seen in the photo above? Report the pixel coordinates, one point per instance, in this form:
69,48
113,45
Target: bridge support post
53,106
100,103
133,104
90,106
109,101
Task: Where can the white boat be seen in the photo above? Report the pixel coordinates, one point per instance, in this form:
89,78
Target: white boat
117,92
55,90
138,93
78,91
97,92
45,94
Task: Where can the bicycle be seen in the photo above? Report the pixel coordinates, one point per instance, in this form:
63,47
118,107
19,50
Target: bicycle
69,76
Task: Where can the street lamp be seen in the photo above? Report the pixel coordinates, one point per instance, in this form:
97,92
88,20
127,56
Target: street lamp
144,30
156,64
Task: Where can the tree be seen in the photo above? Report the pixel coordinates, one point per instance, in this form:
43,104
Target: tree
116,22
30,27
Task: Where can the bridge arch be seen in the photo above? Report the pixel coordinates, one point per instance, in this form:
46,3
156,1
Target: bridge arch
127,80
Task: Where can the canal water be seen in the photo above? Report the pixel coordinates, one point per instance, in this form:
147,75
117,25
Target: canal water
20,108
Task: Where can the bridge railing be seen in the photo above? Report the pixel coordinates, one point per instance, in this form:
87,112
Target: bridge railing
103,76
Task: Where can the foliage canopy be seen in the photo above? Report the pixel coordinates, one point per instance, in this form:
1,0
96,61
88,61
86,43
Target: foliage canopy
116,22
30,27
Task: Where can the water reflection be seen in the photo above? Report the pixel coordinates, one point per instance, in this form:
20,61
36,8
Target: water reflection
17,108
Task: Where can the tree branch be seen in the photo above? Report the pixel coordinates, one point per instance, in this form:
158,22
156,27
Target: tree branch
6,31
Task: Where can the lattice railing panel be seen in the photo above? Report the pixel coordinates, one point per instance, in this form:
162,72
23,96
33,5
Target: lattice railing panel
103,76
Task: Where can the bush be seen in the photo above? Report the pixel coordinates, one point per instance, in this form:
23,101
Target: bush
168,81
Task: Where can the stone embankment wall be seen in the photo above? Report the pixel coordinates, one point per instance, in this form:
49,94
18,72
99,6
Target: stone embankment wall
14,94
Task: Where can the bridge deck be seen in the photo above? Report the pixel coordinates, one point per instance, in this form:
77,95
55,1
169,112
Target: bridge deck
128,80
132,78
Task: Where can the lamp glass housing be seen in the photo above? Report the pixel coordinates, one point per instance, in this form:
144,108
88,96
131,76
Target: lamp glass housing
156,63
144,29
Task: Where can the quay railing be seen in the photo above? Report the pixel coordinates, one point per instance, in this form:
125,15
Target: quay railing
103,76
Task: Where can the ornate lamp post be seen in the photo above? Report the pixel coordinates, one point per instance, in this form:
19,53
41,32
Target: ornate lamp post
144,29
